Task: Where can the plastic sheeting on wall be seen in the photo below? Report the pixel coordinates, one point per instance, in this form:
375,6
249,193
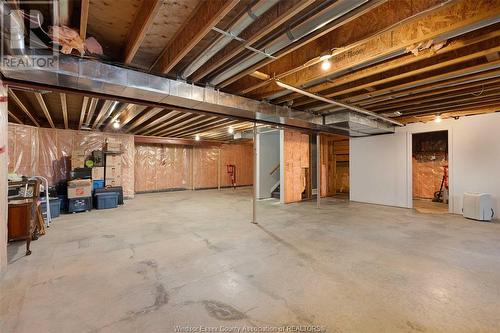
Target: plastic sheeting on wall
428,171
168,167
46,152
161,168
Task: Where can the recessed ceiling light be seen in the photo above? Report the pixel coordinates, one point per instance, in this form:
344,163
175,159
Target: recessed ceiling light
116,124
230,130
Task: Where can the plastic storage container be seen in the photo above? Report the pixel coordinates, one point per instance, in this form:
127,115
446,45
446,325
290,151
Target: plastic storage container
96,184
106,200
79,204
117,189
55,207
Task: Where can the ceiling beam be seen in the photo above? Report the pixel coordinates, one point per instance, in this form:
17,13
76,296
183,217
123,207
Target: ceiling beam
206,16
402,73
142,22
157,121
148,114
207,128
82,112
64,108
130,112
449,114
451,50
270,20
198,124
102,111
441,22
44,108
172,120
182,123
13,116
84,17
90,114
22,107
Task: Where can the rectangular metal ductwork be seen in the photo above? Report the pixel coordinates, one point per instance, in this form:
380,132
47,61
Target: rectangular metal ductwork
358,125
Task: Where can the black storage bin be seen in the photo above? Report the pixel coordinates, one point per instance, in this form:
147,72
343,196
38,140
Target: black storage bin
55,207
106,200
63,198
117,189
79,204
98,158
81,173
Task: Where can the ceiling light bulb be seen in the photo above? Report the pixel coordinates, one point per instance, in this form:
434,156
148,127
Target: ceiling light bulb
325,57
326,64
197,137
438,119
230,130
116,125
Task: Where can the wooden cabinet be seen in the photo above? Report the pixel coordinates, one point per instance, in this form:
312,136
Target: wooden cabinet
20,221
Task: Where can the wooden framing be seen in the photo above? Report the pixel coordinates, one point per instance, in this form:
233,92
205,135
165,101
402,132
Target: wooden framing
22,107
44,108
148,114
13,116
443,20
64,109
83,110
206,16
270,20
137,32
84,16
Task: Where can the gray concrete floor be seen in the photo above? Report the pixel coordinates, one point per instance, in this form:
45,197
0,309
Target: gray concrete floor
192,258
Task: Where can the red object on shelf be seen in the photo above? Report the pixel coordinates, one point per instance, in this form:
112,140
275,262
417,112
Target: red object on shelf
231,170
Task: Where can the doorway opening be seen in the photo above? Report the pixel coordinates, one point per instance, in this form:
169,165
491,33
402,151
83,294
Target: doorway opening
430,172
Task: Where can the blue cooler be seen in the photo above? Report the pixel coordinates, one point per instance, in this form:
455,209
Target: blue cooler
106,200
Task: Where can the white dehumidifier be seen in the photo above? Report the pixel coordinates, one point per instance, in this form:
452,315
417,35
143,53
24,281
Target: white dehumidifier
478,206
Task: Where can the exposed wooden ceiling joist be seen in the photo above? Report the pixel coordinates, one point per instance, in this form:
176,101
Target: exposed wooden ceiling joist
84,16
206,16
192,119
82,111
141,25
156,122
44,108
13,116
23,108
175,119
148,114
439,22
64,109
270,20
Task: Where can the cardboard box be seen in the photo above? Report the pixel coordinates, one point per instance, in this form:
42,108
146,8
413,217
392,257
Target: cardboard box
80,188
77,159
113,172
115,147
98,173
113,160
113,182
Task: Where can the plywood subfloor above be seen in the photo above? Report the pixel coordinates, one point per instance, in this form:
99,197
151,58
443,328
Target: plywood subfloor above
170,18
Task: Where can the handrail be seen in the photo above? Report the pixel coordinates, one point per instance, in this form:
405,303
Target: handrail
274,169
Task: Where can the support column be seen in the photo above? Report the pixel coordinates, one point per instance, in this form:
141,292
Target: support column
254,186
3,174
218,171
318,170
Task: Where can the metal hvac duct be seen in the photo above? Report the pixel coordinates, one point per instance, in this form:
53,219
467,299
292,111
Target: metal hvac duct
243,22
100,78
303,29
12,30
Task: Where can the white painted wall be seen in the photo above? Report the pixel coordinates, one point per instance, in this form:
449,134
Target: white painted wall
381,172
268,156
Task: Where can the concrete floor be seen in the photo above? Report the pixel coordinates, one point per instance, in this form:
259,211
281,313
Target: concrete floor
192,259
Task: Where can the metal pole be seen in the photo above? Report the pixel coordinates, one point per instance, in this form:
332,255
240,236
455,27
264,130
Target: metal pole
318,170
254,200
218,172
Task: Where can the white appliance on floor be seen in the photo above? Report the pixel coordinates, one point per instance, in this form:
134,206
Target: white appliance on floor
478,206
